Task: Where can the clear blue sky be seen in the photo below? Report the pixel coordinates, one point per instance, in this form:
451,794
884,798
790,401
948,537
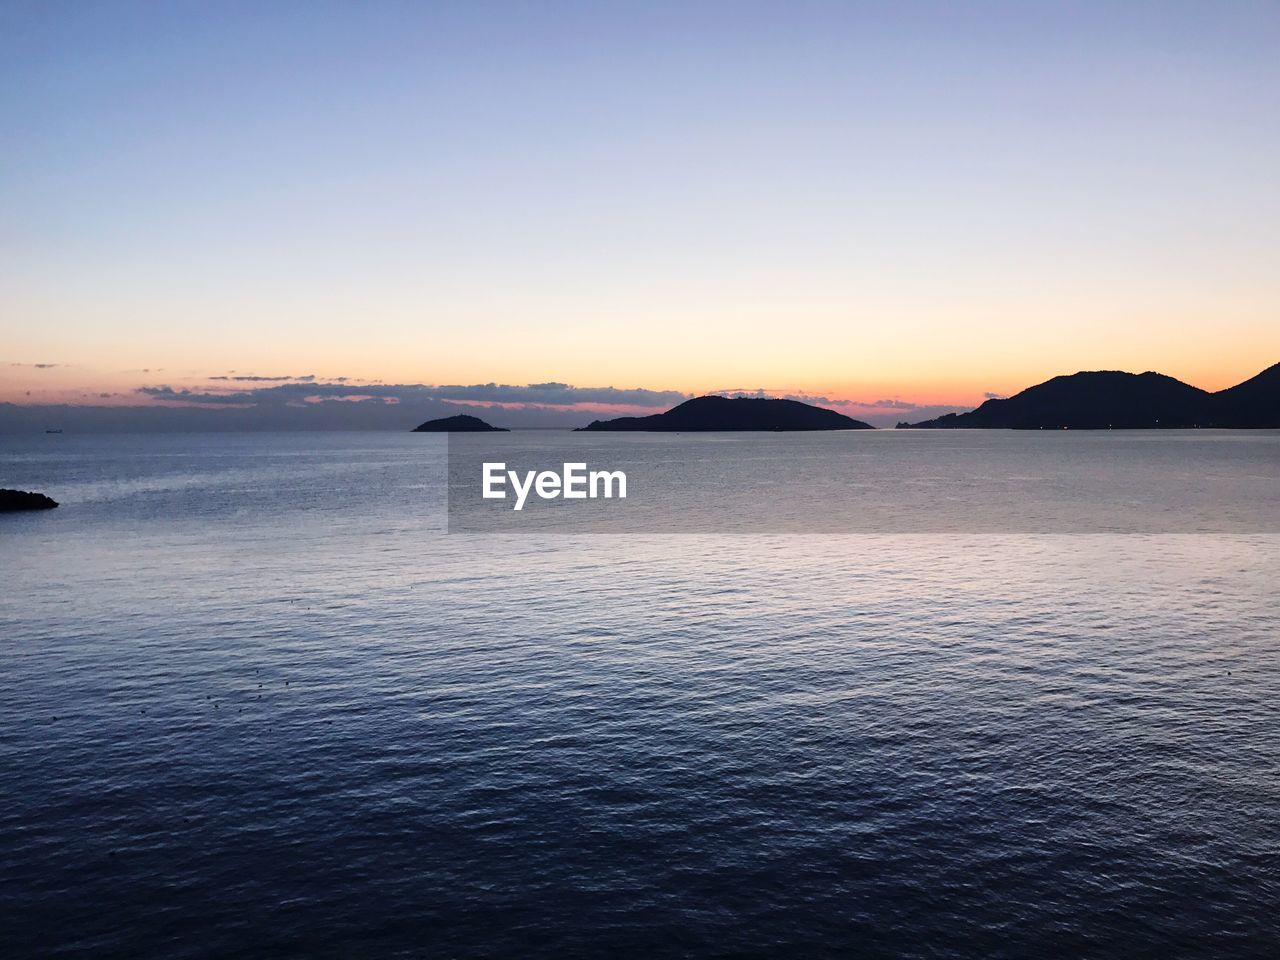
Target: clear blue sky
941,198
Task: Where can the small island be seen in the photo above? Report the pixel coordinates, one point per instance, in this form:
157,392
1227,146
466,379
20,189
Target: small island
705,414
461,423
14,500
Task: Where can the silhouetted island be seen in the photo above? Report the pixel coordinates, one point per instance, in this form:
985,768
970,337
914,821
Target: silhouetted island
12,500
460,423
736,413
1109,399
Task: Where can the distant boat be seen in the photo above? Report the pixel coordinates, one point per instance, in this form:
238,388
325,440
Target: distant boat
53,431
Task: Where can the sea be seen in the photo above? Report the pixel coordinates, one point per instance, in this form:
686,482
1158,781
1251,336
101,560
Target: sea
267,695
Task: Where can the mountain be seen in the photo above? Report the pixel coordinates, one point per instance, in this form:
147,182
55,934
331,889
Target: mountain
1254,403
742,413
1095,400
1109,399
461,423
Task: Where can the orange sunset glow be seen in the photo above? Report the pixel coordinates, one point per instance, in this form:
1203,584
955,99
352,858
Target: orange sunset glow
738,219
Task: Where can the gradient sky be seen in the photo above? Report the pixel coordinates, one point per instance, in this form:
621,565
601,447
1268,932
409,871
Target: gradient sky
852,200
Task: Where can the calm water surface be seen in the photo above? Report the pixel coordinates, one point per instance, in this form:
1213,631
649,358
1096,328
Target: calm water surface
256,702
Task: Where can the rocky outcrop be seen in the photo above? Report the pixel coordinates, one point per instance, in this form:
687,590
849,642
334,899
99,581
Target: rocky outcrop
14,500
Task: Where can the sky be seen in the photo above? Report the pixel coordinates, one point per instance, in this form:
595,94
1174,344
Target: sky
919,204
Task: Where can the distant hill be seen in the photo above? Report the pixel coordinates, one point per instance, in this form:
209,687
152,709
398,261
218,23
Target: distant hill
736,414
461,423
1254,403
1109,399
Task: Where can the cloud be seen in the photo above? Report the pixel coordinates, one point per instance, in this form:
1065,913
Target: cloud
253,379
307,390
993,396
884,412
234,401
820,401
559,394
38,366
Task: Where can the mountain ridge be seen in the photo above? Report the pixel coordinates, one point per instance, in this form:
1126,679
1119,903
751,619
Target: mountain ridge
1116,400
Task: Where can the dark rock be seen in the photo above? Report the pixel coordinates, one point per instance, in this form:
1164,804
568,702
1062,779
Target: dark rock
740,413
461,423
11,500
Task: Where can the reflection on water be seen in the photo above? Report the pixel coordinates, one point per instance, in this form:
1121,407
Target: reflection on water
256,702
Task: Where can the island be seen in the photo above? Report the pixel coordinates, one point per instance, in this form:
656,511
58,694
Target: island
14,500
704,414
1114,400
461,423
